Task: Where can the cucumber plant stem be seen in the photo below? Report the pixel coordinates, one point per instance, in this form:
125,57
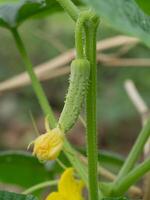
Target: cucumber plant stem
135,152
68,150
40,186
70,8
132,178
90,31
79,39
35,82
79,33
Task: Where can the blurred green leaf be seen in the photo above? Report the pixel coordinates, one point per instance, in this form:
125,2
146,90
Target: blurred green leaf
110,160
21,169
125,16
4,195
144,5
13,13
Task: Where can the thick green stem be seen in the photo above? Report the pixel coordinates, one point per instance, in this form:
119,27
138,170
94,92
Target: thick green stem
135,152
68,150
70,8
90,30
131,178
35,82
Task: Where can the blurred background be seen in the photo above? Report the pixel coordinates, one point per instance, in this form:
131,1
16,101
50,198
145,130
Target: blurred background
118,121
49,42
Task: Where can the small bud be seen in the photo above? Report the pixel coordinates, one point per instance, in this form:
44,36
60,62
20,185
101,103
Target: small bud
49,145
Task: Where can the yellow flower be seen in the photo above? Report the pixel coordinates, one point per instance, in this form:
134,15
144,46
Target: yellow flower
69,188
49,145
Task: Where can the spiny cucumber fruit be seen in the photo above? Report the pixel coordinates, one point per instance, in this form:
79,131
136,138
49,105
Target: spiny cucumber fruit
80,72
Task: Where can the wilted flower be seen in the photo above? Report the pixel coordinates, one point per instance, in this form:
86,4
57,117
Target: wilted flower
49,145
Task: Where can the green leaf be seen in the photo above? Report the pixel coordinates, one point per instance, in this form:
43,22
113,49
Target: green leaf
21,169
110,161
13,13
125,16
144,5
4,195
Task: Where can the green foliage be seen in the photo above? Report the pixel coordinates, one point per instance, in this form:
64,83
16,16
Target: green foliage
13,196
127,17
21,169
13,13
144,5
110,161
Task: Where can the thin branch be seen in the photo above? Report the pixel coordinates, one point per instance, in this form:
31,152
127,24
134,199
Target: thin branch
143,110
135,97
40,186
56,73
22,80
47,69
140,106
110,61
115,42
125,49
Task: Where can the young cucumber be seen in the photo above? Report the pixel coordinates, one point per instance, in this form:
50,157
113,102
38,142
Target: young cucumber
80,72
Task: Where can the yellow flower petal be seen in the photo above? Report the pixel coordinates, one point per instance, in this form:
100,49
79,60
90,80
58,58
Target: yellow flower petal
69,187
55,196
49,145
